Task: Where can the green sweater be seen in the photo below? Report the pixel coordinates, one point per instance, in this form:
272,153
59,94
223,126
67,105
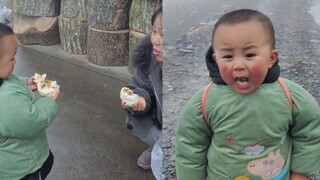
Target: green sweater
23,120
254,136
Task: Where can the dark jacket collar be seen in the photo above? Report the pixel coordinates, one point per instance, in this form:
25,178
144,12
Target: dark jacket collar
272,75
142,54
1,80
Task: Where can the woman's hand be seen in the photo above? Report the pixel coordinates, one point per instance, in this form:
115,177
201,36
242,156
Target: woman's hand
31,84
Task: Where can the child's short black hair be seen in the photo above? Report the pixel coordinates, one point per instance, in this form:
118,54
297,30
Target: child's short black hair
5,30
155,15
245,15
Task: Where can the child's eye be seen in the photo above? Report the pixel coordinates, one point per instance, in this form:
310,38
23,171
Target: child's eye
227,57
250,55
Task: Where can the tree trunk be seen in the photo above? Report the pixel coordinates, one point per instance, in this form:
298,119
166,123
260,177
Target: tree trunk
73,26
73,35
108,48
141,12
109,15
36,30
9,4
35,7
134,37
74,9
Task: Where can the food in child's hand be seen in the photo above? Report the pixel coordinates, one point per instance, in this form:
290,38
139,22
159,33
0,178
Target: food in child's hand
46,87
39,78
128,96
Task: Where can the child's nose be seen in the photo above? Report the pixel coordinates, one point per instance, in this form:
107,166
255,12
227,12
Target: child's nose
157,40
239,64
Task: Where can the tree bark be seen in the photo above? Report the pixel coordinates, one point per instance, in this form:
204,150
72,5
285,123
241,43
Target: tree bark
36,30
134,37
109,15
141,12
73,35
108,48
9,4
74,9
35,7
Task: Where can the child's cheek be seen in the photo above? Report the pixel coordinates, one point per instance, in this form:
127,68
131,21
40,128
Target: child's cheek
258,72
225,72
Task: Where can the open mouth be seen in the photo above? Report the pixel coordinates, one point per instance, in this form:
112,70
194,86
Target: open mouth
242,80
156,52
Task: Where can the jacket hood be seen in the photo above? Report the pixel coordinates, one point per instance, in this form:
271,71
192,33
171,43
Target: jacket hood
142,53
272,75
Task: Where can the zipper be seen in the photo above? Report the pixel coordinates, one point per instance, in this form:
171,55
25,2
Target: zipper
159,102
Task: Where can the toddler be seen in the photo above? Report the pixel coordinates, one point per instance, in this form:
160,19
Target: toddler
24,151
252,132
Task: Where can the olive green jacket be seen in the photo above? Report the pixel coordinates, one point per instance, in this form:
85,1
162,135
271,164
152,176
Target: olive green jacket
254,136
23,120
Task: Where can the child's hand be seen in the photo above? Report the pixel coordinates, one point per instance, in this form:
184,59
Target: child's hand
124,105
31,84
55,96
140,105
296,176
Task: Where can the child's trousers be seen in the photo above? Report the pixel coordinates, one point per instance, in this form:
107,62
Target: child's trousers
43,172
152,135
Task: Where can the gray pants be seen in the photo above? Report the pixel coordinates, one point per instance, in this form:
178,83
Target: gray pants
150,136
144,128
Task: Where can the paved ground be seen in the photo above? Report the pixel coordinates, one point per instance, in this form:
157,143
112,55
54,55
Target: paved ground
88,137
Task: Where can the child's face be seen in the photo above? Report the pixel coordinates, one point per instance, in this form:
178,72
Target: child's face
156,38
244,54
9,45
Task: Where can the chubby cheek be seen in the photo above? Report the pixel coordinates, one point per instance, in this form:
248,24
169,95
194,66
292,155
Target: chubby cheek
11,68
258,73
225,72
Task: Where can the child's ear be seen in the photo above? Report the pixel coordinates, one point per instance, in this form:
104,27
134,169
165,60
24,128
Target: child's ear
214,57
273,57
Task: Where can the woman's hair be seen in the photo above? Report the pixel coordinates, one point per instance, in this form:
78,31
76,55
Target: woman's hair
156,14
246,15
5,30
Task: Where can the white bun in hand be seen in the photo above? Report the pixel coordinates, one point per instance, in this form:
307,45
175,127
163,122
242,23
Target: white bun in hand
128,96
39,78
48,88
45,87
